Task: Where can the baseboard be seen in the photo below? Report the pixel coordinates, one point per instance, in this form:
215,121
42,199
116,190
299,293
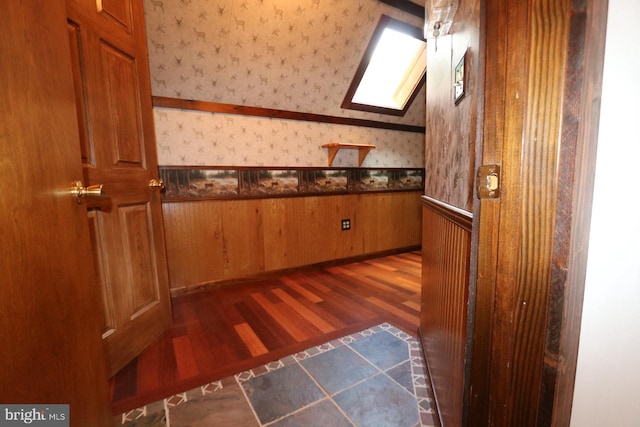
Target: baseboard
437,418
187,290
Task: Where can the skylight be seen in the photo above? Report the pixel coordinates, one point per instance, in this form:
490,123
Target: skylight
392,70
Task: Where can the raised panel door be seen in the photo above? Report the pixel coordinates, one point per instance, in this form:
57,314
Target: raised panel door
114,106
49,299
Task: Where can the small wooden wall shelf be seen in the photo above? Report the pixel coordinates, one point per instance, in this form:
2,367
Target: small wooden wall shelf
334,147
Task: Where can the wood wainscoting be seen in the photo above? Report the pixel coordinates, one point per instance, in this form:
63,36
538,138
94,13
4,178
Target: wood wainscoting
446,250
214,241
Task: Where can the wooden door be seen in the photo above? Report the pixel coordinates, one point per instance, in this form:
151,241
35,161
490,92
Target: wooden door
113,96
49,297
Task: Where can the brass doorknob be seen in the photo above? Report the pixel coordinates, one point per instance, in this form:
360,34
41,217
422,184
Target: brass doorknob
78,190
156,183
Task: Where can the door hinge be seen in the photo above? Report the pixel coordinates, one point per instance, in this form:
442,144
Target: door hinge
488,182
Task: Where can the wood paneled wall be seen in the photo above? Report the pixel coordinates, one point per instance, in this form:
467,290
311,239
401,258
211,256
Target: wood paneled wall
222,240
452,134
445,293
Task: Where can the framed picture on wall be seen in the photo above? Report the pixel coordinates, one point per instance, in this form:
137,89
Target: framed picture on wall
459,80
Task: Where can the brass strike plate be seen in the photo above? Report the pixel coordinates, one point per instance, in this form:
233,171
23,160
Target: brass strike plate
488,182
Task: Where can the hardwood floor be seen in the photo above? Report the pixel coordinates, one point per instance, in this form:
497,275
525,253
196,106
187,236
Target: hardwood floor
219,332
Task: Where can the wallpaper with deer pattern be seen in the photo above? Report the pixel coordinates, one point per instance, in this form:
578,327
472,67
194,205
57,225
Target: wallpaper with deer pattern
297,55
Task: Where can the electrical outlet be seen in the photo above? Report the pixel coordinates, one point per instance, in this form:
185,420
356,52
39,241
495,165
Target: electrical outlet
346,224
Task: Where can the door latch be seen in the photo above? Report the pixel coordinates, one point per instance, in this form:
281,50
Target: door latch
488,182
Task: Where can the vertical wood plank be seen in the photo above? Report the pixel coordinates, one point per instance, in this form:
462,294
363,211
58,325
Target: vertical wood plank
194,242
443,319
243,237
528,205
221,240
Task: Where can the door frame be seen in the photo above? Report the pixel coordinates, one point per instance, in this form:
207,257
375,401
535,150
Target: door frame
529,250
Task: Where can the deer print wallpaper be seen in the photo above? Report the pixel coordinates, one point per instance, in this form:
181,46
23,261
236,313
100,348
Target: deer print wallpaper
296,56
200,139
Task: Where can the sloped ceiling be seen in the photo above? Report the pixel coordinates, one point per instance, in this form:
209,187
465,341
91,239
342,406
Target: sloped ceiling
286,55
293,55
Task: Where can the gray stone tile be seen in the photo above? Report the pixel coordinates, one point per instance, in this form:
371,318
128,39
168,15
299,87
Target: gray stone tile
156,419
321,414
338,369
281,392
379,402
225,407
403,375
382,349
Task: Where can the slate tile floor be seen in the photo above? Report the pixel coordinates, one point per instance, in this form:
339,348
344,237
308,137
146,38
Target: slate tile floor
372,378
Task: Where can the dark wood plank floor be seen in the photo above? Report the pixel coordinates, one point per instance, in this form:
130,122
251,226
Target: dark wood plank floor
223,331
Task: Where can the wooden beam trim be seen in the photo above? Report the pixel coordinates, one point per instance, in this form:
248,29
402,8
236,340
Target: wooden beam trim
215,107
407,6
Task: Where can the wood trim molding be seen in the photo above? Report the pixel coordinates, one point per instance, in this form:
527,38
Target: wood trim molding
456,215
215,107
579,140
407,6
550,54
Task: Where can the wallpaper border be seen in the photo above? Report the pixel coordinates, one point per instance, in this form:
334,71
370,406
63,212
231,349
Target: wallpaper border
191,183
